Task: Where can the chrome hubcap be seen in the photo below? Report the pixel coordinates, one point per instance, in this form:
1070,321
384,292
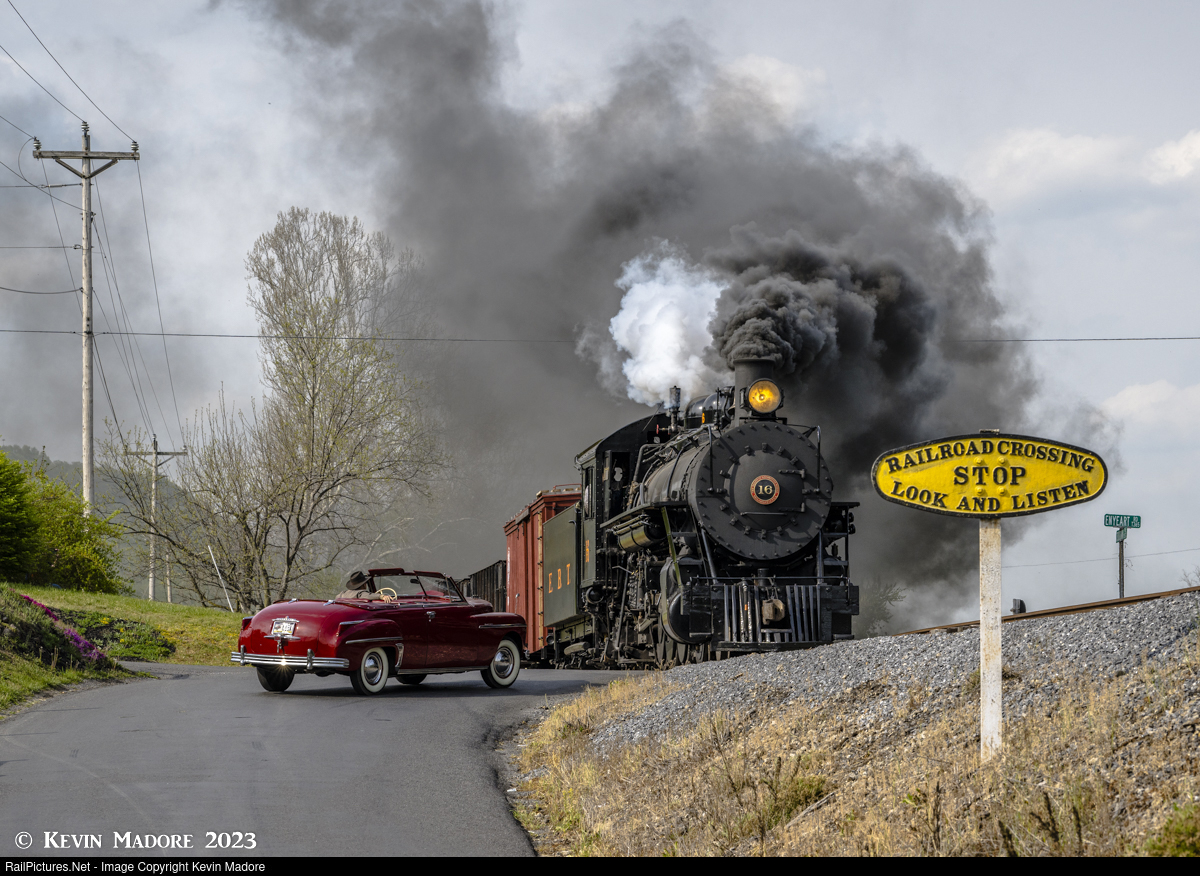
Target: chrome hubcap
372,669
502,664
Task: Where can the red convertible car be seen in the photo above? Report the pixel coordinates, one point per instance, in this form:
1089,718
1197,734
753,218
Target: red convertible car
396,623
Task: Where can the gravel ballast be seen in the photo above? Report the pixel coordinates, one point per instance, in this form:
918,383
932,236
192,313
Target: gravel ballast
1042,656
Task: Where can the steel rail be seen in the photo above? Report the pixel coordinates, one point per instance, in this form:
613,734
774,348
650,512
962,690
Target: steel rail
1056,612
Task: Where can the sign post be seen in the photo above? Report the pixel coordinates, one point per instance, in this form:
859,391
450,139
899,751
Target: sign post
989,476
1124,523
990,663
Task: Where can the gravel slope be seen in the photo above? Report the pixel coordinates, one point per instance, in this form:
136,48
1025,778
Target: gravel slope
1040,656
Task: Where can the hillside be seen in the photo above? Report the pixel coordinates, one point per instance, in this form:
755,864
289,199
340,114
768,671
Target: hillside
198,635
38,651
871,747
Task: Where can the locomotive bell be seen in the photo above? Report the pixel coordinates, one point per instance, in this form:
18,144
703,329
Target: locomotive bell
758,395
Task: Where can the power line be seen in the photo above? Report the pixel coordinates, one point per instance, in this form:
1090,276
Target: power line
64,69
27,292
302,337
130,372
157,300
109,266
1103,559
14,124
1070,340
58,227
42,87
34,185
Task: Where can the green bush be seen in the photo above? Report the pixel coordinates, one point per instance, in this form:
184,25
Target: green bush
1180,836
117,637
18,523
73,549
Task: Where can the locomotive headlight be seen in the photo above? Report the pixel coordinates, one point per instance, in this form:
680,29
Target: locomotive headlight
764,396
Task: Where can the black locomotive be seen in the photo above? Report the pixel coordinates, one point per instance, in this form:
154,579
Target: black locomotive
700,531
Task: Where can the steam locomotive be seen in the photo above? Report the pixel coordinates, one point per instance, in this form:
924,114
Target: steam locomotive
699,531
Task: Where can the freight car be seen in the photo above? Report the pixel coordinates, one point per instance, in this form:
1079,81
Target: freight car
696,532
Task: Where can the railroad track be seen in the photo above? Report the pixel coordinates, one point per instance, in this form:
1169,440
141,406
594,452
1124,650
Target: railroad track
1054,612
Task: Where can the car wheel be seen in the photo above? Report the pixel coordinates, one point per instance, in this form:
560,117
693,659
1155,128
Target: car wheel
411,679
275,680
372,673
505,665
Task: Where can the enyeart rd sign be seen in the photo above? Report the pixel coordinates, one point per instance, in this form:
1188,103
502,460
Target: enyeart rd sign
989,475
1124,521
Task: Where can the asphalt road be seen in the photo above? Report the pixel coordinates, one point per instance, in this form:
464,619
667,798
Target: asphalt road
314,771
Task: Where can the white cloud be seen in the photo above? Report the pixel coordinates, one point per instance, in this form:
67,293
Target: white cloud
1175,160
1159,408
1034,164
1031,163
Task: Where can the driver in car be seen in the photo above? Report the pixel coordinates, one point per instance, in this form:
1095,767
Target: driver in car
360,586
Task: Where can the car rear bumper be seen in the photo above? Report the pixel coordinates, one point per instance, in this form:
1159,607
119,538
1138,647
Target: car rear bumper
292,662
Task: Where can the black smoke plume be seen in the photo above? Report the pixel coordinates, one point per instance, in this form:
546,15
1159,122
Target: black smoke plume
860,270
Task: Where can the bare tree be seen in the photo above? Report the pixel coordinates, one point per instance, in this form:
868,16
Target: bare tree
280,492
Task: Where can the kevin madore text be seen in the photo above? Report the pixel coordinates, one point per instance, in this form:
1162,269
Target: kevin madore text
232,840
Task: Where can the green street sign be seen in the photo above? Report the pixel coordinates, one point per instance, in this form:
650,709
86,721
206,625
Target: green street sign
1124,521
1122,533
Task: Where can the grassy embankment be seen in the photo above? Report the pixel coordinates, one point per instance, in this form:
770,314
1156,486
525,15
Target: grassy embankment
130,627
199,635
1104,770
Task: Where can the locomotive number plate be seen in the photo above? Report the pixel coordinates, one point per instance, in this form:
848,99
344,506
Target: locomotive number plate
764,489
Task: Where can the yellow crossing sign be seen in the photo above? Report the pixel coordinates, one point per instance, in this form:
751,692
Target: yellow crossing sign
989,475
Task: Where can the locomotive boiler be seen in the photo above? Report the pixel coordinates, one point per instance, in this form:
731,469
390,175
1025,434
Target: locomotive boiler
699,531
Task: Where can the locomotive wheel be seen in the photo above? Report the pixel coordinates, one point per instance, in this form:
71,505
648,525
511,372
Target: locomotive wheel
681,654
660,646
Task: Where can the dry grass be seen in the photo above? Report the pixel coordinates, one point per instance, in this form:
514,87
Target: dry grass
1110,767
200,635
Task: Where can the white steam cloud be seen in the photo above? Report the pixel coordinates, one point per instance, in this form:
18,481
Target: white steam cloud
663,326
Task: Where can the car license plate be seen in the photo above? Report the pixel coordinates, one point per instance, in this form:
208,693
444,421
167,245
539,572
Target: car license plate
283,627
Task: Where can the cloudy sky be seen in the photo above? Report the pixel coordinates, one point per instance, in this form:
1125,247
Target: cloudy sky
1074,127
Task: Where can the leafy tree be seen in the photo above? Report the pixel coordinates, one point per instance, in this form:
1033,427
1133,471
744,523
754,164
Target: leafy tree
73,549
18,523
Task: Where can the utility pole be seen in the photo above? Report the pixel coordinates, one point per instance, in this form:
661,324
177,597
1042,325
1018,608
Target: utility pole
154,454
86,174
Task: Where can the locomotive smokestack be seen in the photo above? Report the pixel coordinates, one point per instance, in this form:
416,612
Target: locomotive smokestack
746,373
673,409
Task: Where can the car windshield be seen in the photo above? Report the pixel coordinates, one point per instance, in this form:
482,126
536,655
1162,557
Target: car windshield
418,586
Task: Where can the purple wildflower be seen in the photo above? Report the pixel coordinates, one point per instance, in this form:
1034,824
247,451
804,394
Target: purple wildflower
86,648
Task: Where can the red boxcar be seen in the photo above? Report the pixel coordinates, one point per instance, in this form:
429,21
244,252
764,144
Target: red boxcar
525,559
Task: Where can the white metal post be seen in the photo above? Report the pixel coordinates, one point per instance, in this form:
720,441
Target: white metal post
990,665
1121,533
